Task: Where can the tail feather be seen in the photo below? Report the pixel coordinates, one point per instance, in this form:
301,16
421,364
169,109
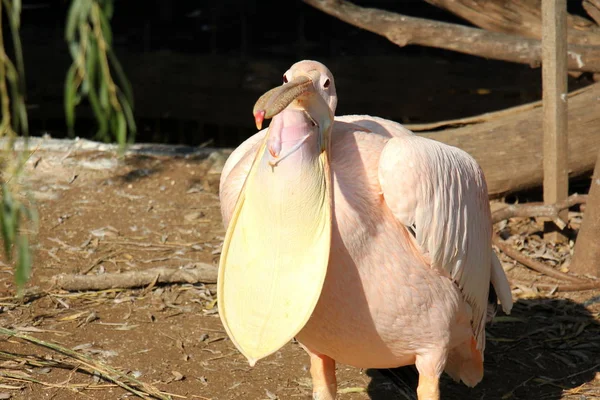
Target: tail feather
501,285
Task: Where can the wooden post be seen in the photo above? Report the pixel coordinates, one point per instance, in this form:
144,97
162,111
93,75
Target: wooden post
554,81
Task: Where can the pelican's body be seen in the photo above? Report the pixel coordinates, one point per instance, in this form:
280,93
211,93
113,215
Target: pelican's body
388,298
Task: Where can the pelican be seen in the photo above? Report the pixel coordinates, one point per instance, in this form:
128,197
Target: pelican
368,244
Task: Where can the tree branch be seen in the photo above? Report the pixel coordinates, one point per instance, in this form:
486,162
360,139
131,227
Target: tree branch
537,209
403,30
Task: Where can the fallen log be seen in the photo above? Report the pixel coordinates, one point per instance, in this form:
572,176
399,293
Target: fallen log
403,30
195,273
509,149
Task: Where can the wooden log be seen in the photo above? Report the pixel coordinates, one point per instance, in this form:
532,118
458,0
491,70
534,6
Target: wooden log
403,30
554,82
592,7
522,17
509,149
586,259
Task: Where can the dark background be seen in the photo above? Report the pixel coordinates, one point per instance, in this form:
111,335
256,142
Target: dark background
197,67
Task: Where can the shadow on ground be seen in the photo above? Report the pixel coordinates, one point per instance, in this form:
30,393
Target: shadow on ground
544,350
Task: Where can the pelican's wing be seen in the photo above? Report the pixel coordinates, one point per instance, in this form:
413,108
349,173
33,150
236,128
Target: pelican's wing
380,126
440,192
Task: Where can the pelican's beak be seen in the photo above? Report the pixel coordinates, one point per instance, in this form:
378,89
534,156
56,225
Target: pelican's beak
276,250
302,89
277,99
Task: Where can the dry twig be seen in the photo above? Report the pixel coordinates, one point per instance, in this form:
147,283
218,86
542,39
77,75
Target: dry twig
200,273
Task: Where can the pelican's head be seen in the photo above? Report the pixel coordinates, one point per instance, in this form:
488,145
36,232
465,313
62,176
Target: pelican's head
305,85
302,108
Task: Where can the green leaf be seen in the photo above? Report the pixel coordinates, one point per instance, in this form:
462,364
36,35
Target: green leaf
20,117
128,113
73,16
23,268
104,101
74,49
10,219
14,94
16,12
70,94
122,78
78,13
109,8
105,27
121,131
6,220
22,112
91,60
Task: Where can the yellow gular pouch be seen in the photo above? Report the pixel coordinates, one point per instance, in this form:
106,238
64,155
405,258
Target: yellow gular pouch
275,254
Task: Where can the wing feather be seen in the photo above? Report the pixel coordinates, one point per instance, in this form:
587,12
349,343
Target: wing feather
442,191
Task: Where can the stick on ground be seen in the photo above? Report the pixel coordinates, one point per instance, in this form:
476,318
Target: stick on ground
533,264
196,273
575,287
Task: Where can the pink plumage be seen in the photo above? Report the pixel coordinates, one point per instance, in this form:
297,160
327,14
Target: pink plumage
391,298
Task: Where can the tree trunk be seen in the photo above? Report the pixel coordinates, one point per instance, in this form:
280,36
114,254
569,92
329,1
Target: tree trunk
520,17
508,144
403,30
586,259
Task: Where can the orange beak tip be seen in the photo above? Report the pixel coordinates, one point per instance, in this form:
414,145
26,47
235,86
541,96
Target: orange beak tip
259,117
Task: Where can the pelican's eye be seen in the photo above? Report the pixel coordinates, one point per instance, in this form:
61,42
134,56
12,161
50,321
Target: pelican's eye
326,83
285,79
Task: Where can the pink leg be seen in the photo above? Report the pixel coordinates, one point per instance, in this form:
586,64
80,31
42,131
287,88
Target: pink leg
322,371
430,367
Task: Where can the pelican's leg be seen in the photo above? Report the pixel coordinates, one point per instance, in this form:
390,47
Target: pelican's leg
322,371
430,367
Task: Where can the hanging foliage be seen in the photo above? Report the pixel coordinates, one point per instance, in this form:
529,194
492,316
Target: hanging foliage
16,210
95,73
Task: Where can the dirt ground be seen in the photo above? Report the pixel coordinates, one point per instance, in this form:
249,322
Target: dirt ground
101,215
